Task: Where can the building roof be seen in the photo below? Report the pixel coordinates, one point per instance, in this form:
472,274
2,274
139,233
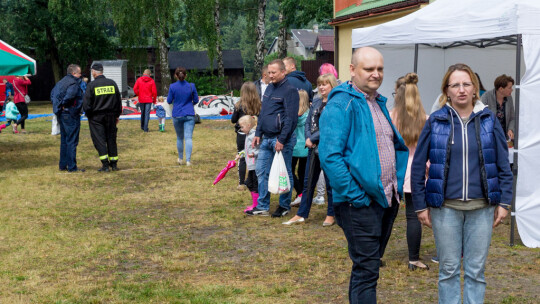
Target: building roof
326,42
308,37
198,60
109,63
370,8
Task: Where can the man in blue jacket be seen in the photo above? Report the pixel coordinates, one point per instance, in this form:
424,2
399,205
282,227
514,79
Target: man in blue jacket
365,160
274,133
296,78
66,97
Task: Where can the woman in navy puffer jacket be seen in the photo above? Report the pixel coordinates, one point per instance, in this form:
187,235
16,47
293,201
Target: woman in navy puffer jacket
469,187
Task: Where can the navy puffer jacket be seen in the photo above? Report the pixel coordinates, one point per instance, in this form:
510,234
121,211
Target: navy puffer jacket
468,160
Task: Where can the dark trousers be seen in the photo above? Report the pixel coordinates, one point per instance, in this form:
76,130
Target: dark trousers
240,145
23,110
103,132
414,229
145,115
299,177
367,230
69,139
251,182
307,195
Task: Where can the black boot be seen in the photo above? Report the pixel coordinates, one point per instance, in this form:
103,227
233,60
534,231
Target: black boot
113,165
105,166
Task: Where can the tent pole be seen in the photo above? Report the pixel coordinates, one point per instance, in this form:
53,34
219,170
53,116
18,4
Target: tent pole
416,58
516,135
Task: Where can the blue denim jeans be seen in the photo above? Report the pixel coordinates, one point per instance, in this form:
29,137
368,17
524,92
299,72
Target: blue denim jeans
307,195
262,168
184,131
454,231
69,139
145,115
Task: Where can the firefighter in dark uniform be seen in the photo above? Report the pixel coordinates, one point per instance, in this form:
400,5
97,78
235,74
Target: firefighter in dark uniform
103,106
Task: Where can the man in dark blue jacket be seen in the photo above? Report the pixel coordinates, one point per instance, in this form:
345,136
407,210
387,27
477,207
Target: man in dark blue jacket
296,78
66,97
275,133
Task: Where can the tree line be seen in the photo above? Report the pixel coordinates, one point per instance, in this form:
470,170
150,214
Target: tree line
67,31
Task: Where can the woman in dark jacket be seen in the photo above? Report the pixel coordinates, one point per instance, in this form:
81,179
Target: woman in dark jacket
249,104
183,96
325,83
469,187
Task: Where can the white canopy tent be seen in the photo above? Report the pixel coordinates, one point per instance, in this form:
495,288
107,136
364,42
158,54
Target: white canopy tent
486,35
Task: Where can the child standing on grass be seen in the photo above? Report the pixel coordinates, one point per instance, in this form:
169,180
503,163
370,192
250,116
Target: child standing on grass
300,151
249,104
248,124
11,115
160,113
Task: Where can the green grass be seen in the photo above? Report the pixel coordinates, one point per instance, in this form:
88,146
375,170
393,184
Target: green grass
155,232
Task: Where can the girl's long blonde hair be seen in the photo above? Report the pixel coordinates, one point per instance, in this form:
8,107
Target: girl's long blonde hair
249,102
303,104
410,113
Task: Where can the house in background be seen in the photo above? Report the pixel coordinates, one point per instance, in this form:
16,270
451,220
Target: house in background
198,62
302,42
351,14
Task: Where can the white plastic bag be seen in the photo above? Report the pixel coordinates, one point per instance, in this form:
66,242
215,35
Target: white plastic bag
55,126
278,181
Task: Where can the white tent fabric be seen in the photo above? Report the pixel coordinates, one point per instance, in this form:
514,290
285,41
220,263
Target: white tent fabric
445,21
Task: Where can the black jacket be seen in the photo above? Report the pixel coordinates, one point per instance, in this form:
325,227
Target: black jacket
279,113
102,97
298,80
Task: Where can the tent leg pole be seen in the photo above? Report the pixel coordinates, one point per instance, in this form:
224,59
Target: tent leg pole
516,135
416,58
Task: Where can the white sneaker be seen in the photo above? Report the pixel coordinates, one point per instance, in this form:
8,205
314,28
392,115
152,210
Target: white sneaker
188,163
296,202
319,200
180,162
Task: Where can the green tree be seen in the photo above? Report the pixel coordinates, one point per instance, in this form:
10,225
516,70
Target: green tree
143,22
63,31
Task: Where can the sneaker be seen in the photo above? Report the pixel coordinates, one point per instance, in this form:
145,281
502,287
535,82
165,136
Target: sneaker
188,163
241,187
435,259
297,201
280,211
257,211
319,200
179,161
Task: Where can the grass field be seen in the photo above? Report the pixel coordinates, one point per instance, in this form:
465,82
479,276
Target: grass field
155,232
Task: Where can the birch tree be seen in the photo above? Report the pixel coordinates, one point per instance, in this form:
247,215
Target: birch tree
261,32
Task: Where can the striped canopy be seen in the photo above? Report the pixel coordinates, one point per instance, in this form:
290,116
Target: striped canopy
14,62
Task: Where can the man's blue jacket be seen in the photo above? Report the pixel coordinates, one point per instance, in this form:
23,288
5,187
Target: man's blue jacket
67,94
348,148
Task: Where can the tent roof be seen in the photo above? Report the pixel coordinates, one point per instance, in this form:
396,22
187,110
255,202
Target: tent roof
446,21
15,62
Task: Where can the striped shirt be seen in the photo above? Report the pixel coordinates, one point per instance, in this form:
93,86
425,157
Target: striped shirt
385,146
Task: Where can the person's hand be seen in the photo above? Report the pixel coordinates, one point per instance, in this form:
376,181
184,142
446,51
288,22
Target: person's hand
251,155
256,141
237,157
279,146
309,144
424,217
500,214
511,134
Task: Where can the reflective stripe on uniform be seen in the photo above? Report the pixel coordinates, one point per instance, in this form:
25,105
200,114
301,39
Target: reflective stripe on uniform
104,157
113,158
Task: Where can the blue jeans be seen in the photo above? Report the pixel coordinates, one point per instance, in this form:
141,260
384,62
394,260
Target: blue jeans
184,131
262,168
145,115
69,139
454,231
307,194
